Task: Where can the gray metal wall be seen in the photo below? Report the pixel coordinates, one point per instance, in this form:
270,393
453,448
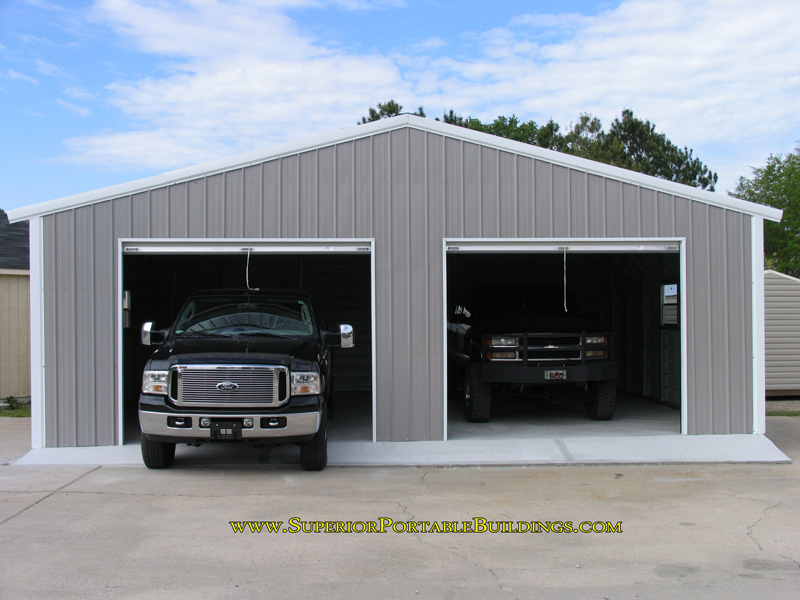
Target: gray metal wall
782,316
408,189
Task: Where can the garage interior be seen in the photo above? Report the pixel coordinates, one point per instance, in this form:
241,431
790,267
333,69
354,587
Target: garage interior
634,294
156,285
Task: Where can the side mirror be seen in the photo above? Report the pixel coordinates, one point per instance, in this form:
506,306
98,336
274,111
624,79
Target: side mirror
346,333
150,336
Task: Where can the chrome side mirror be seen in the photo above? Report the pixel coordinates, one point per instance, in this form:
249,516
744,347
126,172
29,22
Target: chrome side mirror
346,333
147,334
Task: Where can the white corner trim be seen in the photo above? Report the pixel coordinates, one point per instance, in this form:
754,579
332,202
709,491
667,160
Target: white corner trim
684,288
443,329
37,334
120,331
759,361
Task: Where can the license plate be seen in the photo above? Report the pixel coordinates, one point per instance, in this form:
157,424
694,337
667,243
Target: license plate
226,430
556,375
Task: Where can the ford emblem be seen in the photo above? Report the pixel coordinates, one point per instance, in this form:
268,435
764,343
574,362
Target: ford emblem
227,386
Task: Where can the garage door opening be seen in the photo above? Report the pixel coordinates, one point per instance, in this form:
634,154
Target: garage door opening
633,295
156,282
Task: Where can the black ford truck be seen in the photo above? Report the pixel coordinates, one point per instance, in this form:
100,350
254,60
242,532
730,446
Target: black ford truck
239,366
529,339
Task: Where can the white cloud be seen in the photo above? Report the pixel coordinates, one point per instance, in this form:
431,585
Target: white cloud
78,110
48,69
431,43
720,76
12,74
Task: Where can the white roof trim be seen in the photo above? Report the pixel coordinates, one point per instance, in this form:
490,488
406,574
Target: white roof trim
784,275
382,126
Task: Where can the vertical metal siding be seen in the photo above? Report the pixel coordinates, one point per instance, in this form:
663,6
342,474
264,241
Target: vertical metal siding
420,211
402,374
433,426
408,189
782,310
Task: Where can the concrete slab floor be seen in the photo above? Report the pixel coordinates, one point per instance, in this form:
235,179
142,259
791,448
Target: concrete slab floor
717,531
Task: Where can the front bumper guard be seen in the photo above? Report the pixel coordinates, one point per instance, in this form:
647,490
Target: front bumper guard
297,425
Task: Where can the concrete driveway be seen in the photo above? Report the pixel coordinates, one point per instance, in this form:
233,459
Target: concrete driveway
695,530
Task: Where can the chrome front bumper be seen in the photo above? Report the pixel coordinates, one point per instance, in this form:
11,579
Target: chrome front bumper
297,424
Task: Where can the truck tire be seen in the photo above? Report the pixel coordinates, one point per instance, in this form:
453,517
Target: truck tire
602,401
477,397
157,455
314,452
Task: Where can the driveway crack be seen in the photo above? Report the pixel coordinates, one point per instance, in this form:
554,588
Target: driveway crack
40,500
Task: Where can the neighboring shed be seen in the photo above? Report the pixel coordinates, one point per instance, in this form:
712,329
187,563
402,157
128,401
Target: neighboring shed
390,221
15,374
782,310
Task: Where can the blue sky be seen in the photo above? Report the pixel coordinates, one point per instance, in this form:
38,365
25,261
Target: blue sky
98,93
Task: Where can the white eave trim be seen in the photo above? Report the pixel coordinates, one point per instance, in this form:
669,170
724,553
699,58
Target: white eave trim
784,275
383,126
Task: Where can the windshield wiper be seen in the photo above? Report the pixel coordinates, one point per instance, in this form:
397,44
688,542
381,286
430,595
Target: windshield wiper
287,336
202,334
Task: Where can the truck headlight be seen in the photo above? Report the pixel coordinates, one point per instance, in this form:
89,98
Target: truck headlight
305,383
596,339
596,354
503,342
155,382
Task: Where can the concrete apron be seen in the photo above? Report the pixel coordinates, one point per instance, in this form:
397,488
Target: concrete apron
574,450
517,434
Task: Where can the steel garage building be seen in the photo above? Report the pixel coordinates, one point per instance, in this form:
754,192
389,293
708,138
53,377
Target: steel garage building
387,223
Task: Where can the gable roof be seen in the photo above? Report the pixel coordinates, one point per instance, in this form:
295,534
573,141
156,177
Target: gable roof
386,125
13,244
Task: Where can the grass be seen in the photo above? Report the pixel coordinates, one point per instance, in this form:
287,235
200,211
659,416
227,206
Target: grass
22,411
783,413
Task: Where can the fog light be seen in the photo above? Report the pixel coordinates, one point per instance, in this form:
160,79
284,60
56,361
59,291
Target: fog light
247,423
596,354
501,355
205,422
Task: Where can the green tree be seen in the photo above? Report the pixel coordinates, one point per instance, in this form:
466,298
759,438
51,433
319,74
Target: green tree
634,144
387,109
777,184
528,132
630,142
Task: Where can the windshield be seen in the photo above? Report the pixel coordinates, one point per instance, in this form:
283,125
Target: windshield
227,316
534,300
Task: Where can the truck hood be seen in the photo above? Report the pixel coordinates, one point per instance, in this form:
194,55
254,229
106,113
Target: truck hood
198,350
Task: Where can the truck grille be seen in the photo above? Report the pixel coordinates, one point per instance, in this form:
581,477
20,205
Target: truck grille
554,348
537,348
228,386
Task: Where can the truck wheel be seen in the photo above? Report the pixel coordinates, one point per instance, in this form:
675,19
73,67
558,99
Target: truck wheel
477,397
602,400
314,452
157,455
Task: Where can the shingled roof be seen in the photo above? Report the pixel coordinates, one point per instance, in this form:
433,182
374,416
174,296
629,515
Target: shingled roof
13,244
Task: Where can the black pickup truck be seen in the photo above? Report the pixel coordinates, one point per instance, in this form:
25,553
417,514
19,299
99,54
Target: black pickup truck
529,339
240,366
